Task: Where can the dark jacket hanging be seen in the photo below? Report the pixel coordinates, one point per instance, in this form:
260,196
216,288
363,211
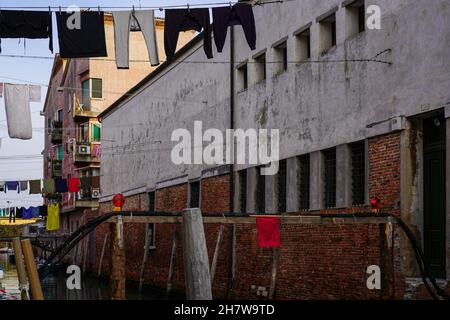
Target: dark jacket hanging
88,41
177,20
239,14
26,24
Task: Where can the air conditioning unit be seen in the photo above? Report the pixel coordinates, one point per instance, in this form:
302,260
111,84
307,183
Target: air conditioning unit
84,149
95,193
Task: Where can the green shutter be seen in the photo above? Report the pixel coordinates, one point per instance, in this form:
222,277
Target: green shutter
97,88
96,131
60,152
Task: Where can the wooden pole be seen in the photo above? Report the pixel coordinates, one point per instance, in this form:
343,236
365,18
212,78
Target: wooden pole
100,263
35,284
275,264
117,266
386,261
216,253
173,257
20,266
144,258
195,254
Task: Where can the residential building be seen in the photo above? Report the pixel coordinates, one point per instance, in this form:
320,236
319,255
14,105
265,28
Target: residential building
79,89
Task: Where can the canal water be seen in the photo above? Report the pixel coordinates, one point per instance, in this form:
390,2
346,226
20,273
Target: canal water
54,287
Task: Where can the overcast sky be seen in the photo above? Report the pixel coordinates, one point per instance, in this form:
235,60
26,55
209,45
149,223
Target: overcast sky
37,71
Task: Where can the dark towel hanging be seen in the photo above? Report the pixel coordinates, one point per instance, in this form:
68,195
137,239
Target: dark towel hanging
88,41
26,24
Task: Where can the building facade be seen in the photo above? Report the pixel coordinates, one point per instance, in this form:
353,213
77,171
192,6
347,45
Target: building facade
79,90
361,113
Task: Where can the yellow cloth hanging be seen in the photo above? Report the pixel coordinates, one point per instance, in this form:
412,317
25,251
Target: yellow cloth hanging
53,217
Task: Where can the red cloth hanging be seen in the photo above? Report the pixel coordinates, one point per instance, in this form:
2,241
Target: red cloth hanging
74,184
268,232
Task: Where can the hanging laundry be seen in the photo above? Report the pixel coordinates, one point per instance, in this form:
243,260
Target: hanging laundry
239,14
26,213
23,185
12,214
123,21
43,210
268,232
74,184
19,213
177,20
35,93
95,150
52,223
49,187
35,186
18,115
12,185
2,186
88,41
34,212
26,24
61,185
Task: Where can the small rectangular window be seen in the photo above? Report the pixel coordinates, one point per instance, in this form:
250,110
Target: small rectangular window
358,158
330,178
151,202
194,190
243,191
260,205
97,88
281,190
328,32
242,77
304,181
303,45
356,17
86,93
281,57
260,64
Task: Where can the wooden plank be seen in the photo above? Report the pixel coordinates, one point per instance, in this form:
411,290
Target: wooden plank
144,258
117,265
252,220
195,256
386,262
100,264
20,266
35,284
216,253
275,264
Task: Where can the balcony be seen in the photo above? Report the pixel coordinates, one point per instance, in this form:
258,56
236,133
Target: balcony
87,152
56,132
81,112
56,168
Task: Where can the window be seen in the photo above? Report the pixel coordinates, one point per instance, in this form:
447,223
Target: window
281,57
260,205
327,32
59,115
96,132
330,177
260,64
242,77
60,152
303,45
356,22
304,181
84,132
97,92
358,158
243,191
194,201
151,202
281,184
85,93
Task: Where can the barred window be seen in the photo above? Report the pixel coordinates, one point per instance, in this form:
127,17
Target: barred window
243,191
281,190
194,201
330,177
260,205
151,202
358,154
303,181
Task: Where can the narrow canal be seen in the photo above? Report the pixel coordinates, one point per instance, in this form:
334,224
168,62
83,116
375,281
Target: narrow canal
54,287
